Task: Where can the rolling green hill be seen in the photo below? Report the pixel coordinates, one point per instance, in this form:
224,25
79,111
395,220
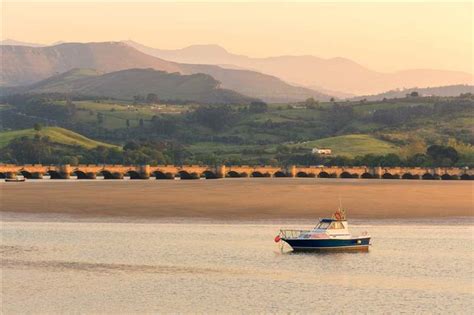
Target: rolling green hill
352,145
348,146
127,84
55,134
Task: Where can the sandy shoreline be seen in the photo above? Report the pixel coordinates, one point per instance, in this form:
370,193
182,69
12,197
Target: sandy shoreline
241,199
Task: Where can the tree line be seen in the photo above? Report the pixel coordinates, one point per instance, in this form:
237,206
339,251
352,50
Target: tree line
42,150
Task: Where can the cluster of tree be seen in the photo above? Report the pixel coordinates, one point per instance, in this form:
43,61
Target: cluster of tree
311,103
215,117
401,115
218,118
150,98
257,107
29,109
435,156
339,117
43,151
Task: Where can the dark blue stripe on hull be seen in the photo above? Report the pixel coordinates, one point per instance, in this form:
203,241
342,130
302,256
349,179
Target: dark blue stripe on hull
327,243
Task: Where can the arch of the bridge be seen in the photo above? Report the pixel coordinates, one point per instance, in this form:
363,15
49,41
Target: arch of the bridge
233,174
207,174
31,174
429,176
185,175
162,175
107,174
347,174
280,174
410,176
324,174
53,174
26,174
305,174
80,174
133,174
367,175
447,176
388,175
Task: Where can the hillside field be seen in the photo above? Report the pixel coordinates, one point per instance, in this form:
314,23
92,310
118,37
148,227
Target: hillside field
56,134
347,145
352,145
116,113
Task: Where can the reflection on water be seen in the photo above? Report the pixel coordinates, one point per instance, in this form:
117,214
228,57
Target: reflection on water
206,267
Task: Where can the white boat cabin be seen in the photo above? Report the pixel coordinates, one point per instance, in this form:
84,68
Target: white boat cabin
332,227
329,228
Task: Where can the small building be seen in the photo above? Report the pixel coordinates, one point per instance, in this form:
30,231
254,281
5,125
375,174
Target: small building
321,151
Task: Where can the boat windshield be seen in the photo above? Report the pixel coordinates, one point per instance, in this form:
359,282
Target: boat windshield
336,226
323,225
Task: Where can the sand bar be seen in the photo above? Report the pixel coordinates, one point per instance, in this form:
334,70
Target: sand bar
241,198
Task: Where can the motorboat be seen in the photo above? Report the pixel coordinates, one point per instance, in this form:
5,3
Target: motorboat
330,234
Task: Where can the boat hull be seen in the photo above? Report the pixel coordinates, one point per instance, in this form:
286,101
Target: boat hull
353,244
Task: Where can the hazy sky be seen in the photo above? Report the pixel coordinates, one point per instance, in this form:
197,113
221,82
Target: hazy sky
383,36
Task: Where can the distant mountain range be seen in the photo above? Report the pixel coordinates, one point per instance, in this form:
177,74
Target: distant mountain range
23,65
334,74
263,78
450,90
125,84
26,65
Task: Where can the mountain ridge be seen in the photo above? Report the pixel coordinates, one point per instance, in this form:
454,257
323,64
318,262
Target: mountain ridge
24,65
337,74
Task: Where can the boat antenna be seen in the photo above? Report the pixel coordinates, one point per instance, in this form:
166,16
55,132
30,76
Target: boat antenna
341,210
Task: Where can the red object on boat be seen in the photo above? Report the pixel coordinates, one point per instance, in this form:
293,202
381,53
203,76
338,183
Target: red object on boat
277,238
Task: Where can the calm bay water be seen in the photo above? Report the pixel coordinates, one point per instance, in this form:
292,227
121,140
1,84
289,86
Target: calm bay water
58,266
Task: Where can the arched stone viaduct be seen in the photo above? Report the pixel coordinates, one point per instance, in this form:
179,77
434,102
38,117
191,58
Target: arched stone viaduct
37,171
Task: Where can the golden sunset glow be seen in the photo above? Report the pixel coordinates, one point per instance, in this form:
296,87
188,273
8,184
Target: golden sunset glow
382,36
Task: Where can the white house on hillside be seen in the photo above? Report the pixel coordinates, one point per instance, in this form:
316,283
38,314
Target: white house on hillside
321,151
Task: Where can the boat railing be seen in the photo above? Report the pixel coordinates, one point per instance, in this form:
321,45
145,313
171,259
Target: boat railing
292,233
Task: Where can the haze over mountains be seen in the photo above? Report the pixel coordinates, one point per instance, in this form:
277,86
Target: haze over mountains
26,65
334,74
23,65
